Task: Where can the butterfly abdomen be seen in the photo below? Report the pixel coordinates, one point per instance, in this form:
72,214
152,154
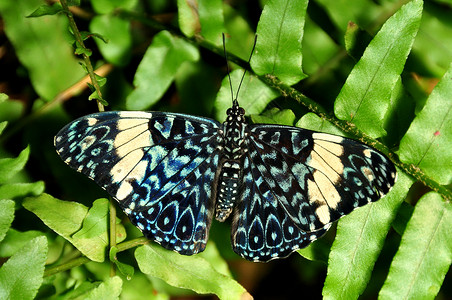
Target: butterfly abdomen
229,185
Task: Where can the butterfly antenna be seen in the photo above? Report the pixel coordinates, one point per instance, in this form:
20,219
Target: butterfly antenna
227,66
244,72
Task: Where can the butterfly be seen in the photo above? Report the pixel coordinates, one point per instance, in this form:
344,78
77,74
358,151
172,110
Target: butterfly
172,173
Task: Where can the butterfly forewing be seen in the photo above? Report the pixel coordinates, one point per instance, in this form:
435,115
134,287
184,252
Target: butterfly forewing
315,177
161,168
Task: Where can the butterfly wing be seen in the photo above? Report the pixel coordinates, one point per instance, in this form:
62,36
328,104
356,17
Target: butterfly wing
160,167
301,182
261,229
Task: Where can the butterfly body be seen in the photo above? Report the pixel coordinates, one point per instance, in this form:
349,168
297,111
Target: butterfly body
172,173
231,175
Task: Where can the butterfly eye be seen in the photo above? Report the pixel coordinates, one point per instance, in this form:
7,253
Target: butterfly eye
229,112
241,111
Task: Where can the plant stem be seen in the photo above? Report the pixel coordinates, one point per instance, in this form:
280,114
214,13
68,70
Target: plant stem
66,266
79,39
112,233
83,259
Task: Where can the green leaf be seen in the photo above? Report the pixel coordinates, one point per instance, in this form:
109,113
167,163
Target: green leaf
86,35
428,142
403,216
254,95
10,166
80,50
109,6
211,20
212,255
196,80
95,96
16,190
102,101
14,240
341,12
6,216
158,69
356,40
425,252
318,48
400,114
86,230
109,289
313,122
3,126
21,275
80,291
121,233
101,81
316,251
125,269
365,96
3,97
193,272
117,31
240,36
63,217
188,18
92,238
92,88
44,38
279,36
10,110
205,18
431,48
275,116
133,289
359,240
44,10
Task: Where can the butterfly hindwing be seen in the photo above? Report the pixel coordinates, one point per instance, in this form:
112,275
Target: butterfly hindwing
180,218
261,229
159,166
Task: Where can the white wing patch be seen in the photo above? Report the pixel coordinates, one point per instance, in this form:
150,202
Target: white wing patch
327,163
135,115
128,140
124,166
327,137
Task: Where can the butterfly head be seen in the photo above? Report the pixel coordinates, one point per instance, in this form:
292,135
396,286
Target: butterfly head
235,113
234,129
